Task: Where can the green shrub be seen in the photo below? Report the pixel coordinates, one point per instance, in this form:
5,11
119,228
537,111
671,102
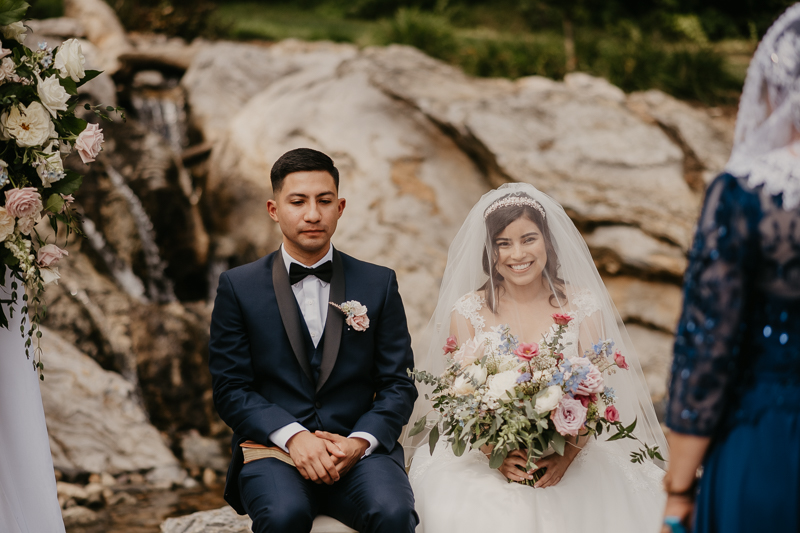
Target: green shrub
513,57
432,34
181,18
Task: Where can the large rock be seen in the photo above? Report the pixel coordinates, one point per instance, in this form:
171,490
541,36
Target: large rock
706,142
655,304
93,419
225,520
616,248
408,185
582,146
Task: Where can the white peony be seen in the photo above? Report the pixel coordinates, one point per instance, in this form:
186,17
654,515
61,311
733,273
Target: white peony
30,126
6,224
16,31
50,275
53,96
548,400
478,373
69,60
463,386
501,383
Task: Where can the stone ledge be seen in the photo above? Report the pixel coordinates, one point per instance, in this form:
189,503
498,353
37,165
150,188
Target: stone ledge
225,520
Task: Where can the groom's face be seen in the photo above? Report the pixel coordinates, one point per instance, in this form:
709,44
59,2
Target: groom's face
307,207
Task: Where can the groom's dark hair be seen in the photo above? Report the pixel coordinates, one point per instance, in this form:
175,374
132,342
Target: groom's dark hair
301,160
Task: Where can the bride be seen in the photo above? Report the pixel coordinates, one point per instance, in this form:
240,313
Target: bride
517,260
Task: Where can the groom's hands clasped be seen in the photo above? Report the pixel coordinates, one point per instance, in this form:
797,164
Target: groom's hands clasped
315,458
353,449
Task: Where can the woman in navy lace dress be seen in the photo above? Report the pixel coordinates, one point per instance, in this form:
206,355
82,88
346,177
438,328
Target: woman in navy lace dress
735,391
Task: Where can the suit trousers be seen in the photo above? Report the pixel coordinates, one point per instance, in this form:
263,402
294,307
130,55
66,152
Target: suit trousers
373,497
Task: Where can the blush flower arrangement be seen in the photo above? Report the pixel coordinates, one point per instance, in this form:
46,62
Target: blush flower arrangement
38,128
517,396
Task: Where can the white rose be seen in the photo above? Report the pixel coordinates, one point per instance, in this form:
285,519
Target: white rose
69,60
501,383
15,31
548,400
6,224
463,386
50,275
53,96
505,363
478,373
30,126
359,309
8,70
25,224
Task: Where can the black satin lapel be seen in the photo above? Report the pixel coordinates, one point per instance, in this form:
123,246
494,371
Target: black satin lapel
287,305
334,323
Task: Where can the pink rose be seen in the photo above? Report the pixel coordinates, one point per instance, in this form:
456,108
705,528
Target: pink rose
593,382
25,225
562,319
451,344
89,143
526,351
620,360
586,400
569,416
358,323
612,415
22,203
470,351
49,255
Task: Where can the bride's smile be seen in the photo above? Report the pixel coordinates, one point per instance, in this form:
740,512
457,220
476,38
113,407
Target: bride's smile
521,252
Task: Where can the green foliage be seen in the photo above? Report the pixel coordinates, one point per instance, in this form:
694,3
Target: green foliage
12,11
431,33
181,18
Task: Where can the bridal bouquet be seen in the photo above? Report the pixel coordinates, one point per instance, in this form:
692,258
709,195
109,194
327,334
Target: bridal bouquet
38,127
517,396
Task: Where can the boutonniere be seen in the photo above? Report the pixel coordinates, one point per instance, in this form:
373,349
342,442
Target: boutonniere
356,314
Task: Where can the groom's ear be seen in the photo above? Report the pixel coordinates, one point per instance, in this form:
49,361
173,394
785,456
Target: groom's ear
272,209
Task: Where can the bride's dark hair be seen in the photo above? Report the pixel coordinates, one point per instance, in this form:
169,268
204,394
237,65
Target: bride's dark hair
497,221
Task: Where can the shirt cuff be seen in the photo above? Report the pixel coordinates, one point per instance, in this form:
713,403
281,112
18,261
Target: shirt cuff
280,437
373,442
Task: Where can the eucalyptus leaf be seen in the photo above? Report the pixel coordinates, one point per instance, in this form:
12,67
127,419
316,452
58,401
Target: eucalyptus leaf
497,458
54,203
418,426
433,438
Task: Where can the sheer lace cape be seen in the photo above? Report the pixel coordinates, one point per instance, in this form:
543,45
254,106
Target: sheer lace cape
768,121
586,296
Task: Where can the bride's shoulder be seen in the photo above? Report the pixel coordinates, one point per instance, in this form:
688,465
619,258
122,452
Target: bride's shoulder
470,303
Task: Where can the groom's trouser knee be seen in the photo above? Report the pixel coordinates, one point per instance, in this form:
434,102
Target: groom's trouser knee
276,497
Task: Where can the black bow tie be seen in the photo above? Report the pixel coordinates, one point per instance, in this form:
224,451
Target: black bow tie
298,272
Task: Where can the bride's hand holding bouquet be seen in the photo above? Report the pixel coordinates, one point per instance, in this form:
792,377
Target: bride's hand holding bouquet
517,401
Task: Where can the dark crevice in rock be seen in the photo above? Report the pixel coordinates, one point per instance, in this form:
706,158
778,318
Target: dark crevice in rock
692,166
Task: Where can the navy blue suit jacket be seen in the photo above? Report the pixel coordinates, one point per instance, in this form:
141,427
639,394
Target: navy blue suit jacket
260,371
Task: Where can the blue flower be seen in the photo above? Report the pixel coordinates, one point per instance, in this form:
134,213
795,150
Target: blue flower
598,348
610,393
524,377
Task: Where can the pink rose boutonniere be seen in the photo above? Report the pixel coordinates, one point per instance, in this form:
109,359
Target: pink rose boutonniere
356,314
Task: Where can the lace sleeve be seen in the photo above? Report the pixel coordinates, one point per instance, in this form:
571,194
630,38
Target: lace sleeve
469,307
715,294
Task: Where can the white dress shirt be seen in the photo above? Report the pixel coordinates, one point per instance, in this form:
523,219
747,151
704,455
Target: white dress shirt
312,295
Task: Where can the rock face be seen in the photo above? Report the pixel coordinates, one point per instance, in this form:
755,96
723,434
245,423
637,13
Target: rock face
93,418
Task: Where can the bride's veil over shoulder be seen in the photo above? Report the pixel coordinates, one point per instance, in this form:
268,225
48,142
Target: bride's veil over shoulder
580,285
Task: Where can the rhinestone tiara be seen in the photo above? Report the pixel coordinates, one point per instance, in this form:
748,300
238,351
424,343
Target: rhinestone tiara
509,201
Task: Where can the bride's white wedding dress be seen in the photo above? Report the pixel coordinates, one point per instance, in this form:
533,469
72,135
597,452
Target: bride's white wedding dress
28,501
601,490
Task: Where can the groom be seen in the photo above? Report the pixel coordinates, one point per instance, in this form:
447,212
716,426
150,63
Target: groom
292,371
